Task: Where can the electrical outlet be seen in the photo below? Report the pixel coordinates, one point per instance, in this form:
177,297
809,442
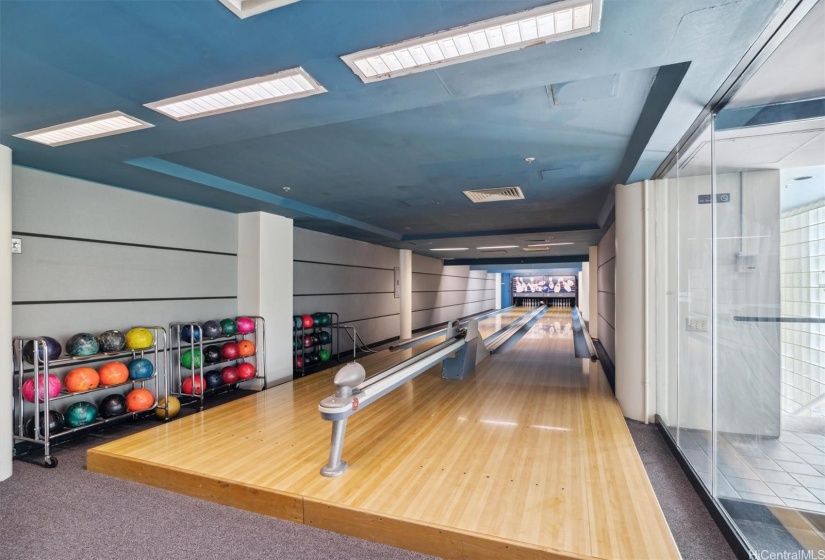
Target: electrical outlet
695,324
16,245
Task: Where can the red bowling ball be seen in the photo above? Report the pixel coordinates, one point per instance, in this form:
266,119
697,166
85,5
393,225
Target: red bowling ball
192,383
308,321
299,362
229,375
230,351
246,371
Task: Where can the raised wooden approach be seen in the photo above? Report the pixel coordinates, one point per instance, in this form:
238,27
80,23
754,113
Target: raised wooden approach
528,458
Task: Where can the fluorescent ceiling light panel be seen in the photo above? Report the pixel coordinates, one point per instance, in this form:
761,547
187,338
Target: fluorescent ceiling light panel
500,247
451,249
246,8
549,244
554,22
254,92
89,128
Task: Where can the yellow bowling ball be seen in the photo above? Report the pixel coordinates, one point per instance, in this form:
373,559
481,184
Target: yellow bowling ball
174,408
139,338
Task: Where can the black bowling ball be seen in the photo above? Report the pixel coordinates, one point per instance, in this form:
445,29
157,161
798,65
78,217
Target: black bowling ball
212,354
56,425
211,329
53,350
112,405
213,379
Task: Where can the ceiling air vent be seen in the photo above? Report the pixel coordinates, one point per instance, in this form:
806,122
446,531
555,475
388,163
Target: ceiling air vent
495,195
493,250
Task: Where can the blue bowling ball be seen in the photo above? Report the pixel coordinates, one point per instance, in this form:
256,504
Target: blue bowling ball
141,368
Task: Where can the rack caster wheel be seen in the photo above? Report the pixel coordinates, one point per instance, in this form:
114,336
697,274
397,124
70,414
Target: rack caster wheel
50,462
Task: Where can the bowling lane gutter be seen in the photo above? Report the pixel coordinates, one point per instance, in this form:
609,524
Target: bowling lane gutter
516,336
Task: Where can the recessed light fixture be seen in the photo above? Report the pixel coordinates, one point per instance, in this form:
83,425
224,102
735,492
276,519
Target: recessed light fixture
549,244
89,128
499,247
254,92
450,249
529,159
554,22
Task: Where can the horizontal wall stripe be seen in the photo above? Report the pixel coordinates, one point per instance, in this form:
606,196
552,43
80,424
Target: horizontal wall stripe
341,294
607,322
122,243
343,265
453,305
442,291
126,300
454,276
341,321
613,258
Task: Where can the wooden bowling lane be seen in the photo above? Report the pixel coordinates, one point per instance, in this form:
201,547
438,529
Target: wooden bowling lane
530,457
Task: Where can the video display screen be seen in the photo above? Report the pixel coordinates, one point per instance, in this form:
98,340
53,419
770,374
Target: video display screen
552,286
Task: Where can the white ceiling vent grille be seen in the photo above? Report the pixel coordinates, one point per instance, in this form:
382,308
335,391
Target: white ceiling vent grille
531,249
495,195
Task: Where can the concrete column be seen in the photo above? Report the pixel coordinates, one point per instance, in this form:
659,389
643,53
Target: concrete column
498,289
584,291
593,290
265,285
405,277
6,358
630,301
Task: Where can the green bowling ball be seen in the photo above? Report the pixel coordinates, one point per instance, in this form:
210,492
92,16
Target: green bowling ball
80,414
186,358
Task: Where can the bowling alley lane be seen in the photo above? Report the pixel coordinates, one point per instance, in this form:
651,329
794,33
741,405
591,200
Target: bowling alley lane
529,457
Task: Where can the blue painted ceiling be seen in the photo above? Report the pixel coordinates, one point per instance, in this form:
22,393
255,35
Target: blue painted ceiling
383,162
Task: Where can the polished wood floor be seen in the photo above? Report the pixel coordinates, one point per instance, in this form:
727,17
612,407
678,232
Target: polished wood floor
528,458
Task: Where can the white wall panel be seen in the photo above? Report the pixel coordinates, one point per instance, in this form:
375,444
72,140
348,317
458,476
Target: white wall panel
129,259
53,204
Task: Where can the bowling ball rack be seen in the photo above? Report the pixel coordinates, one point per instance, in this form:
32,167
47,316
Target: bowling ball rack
41,433
308,346
181,367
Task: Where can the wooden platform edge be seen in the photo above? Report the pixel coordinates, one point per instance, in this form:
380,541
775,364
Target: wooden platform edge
418,536
226,492
445,542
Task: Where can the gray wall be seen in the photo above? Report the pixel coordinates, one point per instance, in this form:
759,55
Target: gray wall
352,278
355,279
97,257
607,292
442,293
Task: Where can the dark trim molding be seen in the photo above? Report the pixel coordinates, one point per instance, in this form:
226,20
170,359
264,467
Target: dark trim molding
444,291
452,305
342,265
128,300
341,294
341,323
454,276
121,243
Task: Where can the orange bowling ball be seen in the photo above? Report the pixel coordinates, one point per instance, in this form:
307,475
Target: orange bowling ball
113,373
139,399
81,379
246,348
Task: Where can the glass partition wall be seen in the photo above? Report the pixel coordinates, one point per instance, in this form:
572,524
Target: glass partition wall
740,273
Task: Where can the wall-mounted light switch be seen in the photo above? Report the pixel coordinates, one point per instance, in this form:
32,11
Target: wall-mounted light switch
16,245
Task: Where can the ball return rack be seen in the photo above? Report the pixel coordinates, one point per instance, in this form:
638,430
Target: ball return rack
460,353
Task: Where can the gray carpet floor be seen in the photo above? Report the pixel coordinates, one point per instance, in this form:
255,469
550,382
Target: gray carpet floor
69,512
696,534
